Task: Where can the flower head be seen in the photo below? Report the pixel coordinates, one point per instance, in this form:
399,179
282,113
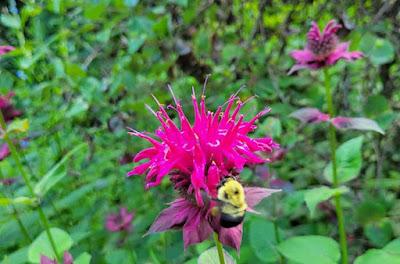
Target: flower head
67,259
323,49
119,222
196,157
6,107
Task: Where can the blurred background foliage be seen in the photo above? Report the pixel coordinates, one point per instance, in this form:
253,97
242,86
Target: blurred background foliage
83,71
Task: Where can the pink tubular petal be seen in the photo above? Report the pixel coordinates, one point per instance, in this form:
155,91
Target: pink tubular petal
254,195
139,169
302,56
309,115
145,154
341,52
231,237
358,123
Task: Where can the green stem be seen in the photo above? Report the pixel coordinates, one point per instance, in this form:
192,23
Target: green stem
25,176
333,144
16,216
220,249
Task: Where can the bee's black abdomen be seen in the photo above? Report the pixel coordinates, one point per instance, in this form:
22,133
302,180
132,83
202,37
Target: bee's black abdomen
228,221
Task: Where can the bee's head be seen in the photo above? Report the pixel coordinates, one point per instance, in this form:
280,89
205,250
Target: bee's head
231,191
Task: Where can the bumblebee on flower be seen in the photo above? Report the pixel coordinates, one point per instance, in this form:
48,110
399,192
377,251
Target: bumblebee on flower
201,160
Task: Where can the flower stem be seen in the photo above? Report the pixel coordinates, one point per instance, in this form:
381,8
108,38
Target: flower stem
25,176
332,144
220,249
16,216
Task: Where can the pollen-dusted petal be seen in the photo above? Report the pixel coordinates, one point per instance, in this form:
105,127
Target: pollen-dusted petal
231,236
254,195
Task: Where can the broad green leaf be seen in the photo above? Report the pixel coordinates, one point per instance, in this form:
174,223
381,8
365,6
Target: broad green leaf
210,256
18,200
314,196
382,52
390,254
263,240
41,245
303,249
379,233
376,256
83,258
348,159
51,178
18,126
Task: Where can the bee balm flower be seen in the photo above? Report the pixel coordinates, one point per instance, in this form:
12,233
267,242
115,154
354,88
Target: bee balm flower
323,49
119,222
196,157
6,49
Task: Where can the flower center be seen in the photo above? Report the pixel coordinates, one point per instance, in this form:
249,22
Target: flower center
324,46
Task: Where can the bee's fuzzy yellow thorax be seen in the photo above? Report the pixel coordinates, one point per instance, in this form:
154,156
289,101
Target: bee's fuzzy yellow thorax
232,192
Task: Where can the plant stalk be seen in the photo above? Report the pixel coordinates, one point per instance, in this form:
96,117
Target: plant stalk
220,249
25,176
333,143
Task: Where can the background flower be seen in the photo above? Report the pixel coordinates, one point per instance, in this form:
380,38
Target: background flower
122,221
323,49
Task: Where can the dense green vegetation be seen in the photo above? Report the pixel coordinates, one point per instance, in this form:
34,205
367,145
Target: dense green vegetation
83,71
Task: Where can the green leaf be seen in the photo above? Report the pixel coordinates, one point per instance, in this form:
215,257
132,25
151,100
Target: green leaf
19,200
376,105
382,52
379,233
41,245
314,196
134,44
263,240
390,254
349,161
302,249
51,178
11,21
210,256
83,258
18,126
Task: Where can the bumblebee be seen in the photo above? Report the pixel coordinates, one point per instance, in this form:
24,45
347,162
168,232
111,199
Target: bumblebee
232,203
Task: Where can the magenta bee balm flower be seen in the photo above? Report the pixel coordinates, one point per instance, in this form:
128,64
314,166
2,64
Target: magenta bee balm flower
197,157
323,49
119,222
6,49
